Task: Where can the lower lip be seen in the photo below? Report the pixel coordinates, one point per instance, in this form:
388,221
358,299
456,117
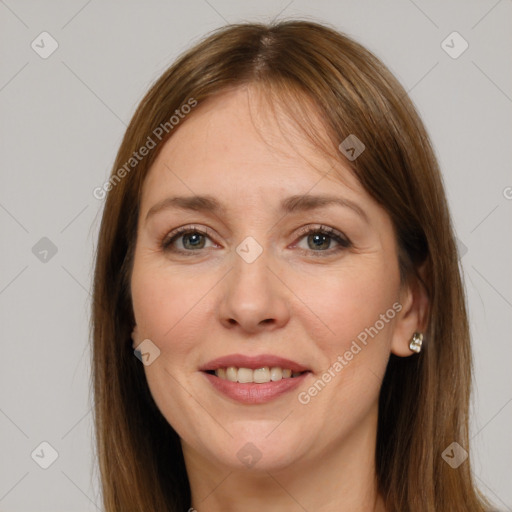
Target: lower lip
252,393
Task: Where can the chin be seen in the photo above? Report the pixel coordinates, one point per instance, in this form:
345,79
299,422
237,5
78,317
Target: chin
260,452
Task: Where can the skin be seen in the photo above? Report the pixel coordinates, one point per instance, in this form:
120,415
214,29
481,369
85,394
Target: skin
296,301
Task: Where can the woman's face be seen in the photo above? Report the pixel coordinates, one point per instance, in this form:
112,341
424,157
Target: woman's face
258,296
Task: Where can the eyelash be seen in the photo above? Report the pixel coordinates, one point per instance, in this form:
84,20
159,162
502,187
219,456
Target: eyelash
344,242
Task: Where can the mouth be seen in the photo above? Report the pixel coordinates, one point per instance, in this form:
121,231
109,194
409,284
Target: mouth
257,376
256,379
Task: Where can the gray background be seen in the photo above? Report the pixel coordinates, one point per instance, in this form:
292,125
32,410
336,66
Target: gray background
62,120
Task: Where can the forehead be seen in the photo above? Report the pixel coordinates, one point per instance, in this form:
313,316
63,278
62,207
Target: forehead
235,144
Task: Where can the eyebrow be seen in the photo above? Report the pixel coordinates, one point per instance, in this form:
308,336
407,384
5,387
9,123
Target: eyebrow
291,204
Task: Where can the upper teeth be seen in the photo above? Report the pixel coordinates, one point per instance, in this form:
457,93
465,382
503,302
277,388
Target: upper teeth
260,375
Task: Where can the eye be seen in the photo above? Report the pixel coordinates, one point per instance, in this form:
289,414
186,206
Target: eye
319,239
192,239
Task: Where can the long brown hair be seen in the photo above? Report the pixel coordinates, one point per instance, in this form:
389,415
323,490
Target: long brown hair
424,400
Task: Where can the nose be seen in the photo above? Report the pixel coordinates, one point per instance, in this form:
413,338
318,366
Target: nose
253,296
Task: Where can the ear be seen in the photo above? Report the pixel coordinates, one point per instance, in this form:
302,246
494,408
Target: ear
135,337
413,315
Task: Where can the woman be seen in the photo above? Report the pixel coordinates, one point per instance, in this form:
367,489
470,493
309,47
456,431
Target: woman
277,251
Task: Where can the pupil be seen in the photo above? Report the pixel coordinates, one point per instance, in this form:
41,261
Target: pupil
317,237
194,235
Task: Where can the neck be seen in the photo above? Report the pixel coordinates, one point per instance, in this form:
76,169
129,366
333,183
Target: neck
340,477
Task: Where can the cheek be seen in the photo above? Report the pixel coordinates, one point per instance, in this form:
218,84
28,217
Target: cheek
349,303
165,303
167,309
359,308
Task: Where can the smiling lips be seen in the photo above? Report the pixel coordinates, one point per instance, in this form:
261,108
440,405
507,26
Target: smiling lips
259,375
254,380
